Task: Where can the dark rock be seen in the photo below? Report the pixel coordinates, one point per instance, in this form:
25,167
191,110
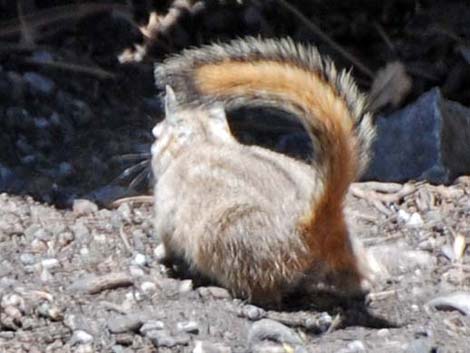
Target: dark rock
42,56
428,140
17,117
17,92
41,123
78,110
297,145
9,181
38,84
6,87
108,193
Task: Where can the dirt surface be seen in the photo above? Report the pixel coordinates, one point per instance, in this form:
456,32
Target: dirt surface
87,280
75,123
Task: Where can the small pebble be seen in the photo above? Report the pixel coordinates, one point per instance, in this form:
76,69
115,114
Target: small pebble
415,220
151,325
50,263
272,348
136,272
148,287
160,253
209,347
85,348
162,338
49,311
140,259
253,312
186,286
188,327
83,207
356,347
214,292
124,339
125,323
420,346
12,300
45,276
324,322
81,337
125,211
271,330
384,332
39,84
403,215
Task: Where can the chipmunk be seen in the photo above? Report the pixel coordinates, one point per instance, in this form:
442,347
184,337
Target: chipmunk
255,221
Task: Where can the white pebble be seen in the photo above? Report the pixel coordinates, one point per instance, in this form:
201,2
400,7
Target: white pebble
148,287
82,337
140,259
186,286
136,271
83,207
50,263
403,215
415,220
188,326
27,259
160,253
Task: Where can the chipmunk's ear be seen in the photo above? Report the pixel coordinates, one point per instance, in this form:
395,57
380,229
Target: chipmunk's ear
171,104
217,113
218,124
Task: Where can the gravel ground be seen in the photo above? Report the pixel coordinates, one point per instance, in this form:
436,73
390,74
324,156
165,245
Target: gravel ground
76,277
87,280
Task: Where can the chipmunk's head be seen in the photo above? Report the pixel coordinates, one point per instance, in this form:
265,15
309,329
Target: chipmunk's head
184,127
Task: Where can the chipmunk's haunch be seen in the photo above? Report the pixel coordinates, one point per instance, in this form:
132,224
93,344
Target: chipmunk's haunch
255,221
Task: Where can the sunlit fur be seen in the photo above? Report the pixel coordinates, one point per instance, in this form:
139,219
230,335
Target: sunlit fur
255,221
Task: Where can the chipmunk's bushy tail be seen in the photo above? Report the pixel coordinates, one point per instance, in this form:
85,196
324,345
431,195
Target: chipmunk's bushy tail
296,79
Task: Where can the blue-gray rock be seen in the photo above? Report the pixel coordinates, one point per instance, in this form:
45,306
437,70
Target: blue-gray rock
38,84
42,56
6,86
77,110
428,140
18,117
10,181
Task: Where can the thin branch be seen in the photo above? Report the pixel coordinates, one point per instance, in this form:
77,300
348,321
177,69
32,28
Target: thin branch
327,39
59,13
81,69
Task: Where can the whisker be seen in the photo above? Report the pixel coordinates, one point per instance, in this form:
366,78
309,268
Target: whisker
141,177
132,156
132,170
